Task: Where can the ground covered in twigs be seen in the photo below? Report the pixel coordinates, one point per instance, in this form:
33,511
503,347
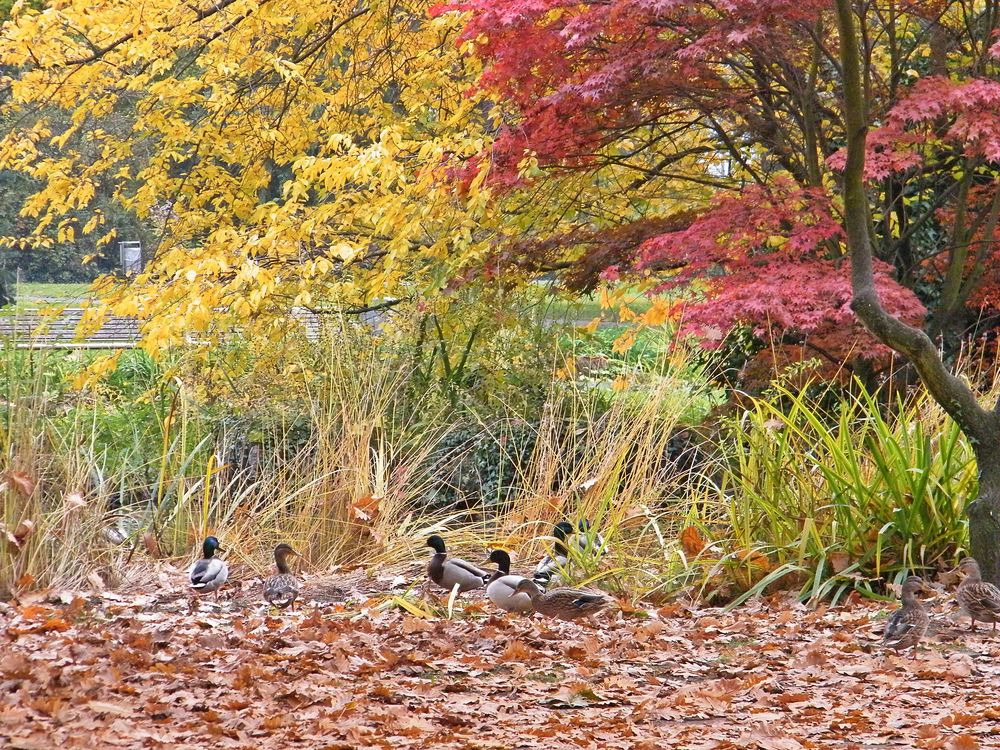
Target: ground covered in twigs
146,670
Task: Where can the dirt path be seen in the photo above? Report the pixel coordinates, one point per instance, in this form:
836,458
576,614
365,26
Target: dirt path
145,671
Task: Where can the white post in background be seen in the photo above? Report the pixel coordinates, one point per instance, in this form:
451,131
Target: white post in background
131,256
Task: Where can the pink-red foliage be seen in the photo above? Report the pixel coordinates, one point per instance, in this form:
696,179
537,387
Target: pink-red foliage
581,72
799,289
970,110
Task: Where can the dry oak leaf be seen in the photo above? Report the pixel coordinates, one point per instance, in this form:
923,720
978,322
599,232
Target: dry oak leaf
518,651
692,541
24,483
769,739
100,707
963,742
839,561
577,695
366,508
20,534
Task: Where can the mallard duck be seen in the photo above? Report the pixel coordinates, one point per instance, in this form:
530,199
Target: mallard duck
502,586
908,624
283,589
565,604
448,572
585,541
209,573
979,599
547,570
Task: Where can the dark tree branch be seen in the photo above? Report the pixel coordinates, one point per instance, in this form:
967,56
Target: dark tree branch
376,307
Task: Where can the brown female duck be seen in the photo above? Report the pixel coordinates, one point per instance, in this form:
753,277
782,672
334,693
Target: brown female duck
282,590
908,624
979,599
564,604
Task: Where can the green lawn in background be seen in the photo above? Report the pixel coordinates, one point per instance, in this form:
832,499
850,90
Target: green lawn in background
587,307
32,296
31,291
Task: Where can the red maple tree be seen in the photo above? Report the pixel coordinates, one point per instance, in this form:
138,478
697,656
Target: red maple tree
599,84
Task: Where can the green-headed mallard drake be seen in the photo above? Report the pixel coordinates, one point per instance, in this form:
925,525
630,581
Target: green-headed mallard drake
565,604
282,589
908,624
979,599
502,586
585,541
447,572
547,570
209,573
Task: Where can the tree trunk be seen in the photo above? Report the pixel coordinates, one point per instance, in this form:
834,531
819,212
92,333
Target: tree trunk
980,426
984,514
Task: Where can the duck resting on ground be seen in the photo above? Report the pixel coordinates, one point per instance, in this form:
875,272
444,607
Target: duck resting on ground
587,542
210,573
908,624
547,570
447,572
282,590
979,599
502,586
564,604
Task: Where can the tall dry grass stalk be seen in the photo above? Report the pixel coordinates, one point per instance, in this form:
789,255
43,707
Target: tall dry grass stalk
51,526
610,468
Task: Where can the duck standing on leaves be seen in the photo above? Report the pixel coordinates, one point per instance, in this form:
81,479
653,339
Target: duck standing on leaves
447,572
282,590
908,624
564,604
210,573
979,599
502,587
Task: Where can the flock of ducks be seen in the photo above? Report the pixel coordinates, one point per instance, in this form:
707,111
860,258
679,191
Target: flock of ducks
512,593
905,628
978,599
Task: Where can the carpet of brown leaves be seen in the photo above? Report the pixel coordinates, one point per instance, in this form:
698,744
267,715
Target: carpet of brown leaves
151,671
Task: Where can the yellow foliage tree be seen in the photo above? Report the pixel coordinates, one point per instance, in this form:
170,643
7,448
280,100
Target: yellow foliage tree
286,153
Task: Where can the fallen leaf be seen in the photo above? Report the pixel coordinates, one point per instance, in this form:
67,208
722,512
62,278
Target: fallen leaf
22,482
152,545
839,561
366,507
692,541
518,651
100,707
963,742
415,625
577,695
19,536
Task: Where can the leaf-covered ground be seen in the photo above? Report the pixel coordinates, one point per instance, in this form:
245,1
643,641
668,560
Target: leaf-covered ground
148,670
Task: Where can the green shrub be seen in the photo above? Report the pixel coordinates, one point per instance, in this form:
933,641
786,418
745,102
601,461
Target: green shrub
837,498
